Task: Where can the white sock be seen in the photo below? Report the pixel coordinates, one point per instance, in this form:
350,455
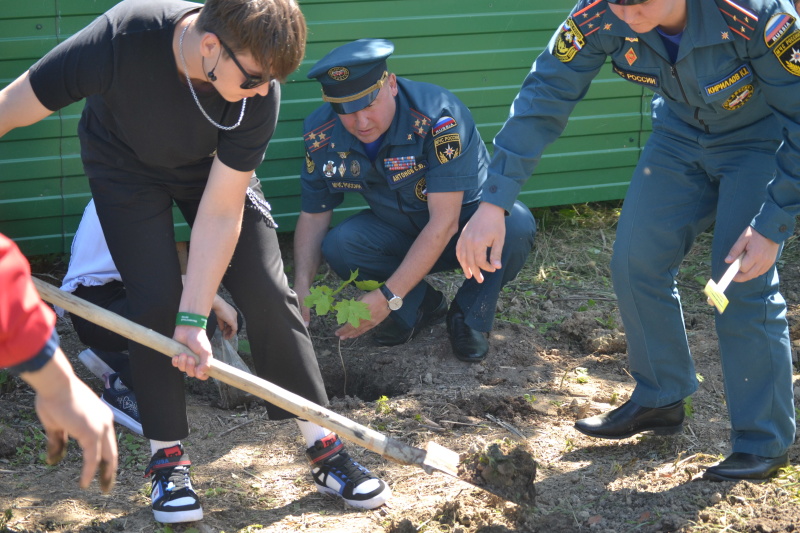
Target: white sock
156,445
311,431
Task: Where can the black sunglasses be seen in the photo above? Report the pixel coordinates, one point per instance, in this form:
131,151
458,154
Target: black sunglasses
250,82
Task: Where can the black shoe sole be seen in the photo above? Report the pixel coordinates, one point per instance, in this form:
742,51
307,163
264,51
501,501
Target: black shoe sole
661,431
718,478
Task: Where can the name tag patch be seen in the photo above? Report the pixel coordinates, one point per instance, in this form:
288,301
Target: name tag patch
741,74
343,185
408,173
647,80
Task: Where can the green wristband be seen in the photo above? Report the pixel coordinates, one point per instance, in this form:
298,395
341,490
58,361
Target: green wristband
191,319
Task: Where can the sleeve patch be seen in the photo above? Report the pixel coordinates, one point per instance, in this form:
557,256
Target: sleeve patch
777,27
444,124
569,41
788,53
448,147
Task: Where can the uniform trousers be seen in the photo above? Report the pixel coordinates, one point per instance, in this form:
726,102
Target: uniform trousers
684,182
135,212
376,248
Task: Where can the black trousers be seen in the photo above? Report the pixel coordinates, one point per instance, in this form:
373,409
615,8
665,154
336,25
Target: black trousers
136,215
107,345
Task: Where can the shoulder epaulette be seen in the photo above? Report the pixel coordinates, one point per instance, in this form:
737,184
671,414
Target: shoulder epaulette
588,18
740,20
319,137
419,123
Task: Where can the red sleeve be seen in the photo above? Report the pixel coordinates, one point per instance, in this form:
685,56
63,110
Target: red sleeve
26,322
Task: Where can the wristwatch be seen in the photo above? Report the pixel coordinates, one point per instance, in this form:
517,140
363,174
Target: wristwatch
395,302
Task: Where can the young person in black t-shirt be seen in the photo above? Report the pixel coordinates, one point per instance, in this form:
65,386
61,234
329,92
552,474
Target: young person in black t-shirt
181,102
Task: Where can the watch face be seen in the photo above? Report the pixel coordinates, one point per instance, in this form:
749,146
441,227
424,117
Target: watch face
395,303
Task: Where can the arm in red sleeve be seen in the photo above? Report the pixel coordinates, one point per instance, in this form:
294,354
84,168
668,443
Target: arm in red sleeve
26,323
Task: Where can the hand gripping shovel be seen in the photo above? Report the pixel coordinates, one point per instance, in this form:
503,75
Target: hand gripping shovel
433,458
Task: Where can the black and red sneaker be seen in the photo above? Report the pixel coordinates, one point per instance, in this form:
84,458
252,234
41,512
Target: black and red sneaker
336,473
173,498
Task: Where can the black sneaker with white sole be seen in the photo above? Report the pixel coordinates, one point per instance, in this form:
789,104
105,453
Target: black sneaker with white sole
173,498
336,473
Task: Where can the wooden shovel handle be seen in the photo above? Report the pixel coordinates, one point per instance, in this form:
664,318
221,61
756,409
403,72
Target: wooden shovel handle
297,405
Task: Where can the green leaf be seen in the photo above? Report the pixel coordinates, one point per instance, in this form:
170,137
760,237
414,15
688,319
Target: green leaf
320,300
351,312
368,285
244,346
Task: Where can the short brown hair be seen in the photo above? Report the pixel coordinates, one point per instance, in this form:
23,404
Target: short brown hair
273,31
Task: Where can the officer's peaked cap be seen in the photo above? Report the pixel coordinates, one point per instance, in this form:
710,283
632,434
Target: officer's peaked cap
353,74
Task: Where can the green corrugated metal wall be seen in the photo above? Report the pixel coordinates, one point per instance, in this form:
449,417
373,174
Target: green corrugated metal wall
479,49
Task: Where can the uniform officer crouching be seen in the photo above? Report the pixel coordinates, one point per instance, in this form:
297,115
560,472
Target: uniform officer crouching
412,150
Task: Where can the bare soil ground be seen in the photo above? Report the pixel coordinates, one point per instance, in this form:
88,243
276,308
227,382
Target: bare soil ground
557,354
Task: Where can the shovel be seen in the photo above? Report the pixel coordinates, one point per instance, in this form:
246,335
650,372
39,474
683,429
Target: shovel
716,291
433,458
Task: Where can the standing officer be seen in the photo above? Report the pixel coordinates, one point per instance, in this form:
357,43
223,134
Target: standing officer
725,150
413,152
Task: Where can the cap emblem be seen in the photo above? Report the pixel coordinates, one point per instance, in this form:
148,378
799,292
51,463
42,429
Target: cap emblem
339,73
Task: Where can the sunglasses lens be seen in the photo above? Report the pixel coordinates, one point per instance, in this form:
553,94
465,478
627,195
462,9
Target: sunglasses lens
252,83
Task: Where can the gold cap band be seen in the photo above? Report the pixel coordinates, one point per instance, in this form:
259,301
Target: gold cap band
352,97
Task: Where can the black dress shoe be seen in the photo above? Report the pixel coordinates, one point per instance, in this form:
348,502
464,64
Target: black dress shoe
432,311
746,466
629,419
468,344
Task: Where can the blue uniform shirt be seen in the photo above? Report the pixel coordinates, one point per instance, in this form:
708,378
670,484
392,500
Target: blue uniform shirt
736,78
431,146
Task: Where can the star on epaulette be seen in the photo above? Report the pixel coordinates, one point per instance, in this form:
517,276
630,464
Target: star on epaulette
725,36
322,136
420,123
740,21
607,27
312,136
315,144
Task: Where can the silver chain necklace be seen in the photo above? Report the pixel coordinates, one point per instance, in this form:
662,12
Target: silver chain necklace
194,94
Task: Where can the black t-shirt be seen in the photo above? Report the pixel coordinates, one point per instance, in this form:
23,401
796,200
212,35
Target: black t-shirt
140,116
